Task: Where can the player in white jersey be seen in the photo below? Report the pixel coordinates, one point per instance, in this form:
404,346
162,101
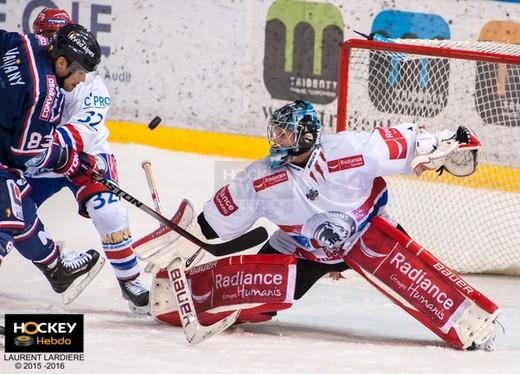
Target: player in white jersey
83,128
323,191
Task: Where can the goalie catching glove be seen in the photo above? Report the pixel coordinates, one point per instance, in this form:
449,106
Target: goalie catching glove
455,152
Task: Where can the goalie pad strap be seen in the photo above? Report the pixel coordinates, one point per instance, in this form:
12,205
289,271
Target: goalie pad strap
421,285
256,284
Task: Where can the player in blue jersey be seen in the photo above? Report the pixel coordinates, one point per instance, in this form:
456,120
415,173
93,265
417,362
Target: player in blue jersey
32,71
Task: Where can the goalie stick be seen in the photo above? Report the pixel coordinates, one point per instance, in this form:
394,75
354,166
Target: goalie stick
243,242
147,167
193,330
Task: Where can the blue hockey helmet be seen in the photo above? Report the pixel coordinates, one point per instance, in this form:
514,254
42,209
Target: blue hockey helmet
292,130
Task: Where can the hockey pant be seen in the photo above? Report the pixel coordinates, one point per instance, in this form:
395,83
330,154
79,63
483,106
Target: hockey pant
19,223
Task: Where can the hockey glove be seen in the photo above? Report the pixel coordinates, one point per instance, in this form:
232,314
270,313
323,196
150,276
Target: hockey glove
455,152
432,150
464,161
80,167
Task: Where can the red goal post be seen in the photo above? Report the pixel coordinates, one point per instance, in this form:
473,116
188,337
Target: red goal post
471,223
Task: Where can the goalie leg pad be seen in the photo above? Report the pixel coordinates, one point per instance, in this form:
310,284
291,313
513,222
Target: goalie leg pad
424,287
259,285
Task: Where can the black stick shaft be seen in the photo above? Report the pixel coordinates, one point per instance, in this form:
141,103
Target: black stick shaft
246,241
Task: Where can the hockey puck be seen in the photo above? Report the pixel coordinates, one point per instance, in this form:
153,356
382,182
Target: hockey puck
23,341
154,122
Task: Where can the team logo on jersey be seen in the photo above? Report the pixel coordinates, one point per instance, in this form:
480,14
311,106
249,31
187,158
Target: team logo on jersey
330,229
312,194
224,201
270,180
345,163
395,141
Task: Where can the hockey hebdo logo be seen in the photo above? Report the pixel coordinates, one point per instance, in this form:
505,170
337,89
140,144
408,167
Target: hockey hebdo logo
302,42
415,87
44,333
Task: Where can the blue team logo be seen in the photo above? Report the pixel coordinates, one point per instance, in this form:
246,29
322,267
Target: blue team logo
416,87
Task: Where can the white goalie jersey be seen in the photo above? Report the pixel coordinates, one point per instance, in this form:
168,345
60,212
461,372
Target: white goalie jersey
322,208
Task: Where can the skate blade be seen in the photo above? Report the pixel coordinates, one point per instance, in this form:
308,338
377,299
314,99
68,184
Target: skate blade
79,284
139,310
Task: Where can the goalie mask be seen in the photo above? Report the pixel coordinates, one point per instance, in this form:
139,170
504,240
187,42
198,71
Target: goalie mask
292,130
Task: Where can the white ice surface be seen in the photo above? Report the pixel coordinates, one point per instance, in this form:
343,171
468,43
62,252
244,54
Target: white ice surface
338,327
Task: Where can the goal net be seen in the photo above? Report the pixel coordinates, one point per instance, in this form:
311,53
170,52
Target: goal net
472,223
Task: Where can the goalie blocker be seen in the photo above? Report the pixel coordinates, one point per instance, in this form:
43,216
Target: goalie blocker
424,287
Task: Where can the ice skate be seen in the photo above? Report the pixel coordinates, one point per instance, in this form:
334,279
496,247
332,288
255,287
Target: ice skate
137,296
72,273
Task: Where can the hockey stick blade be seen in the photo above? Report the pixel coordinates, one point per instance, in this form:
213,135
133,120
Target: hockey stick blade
200,333
246,241
193,330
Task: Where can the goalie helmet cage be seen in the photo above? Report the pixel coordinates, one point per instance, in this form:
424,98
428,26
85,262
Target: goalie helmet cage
472,223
